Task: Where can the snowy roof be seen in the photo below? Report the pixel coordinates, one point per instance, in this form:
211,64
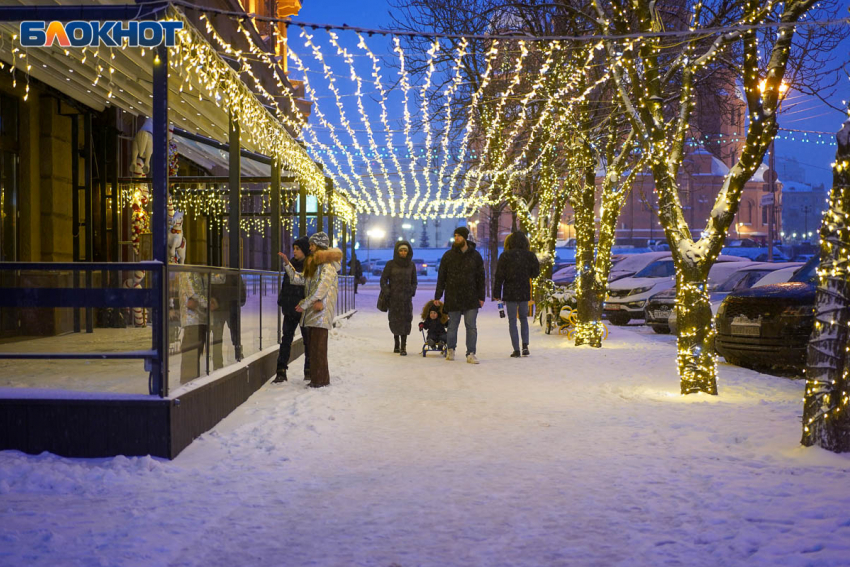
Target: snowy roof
717,166
758,176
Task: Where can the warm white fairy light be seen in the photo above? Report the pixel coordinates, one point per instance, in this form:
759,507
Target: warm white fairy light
494,120
329,76
432,53
376,76
364,119
473,110
223,86
362,197
405,89
447,109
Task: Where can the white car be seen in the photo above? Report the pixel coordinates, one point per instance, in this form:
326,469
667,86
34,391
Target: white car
633,263
627,297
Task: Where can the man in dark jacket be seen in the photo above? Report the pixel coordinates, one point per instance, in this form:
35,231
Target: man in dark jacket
288,298
512,284
462,278
356,271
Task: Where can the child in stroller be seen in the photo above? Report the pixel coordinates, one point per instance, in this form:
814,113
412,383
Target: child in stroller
434,322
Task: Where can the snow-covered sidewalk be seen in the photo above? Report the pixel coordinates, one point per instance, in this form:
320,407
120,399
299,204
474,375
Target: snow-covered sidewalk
574,456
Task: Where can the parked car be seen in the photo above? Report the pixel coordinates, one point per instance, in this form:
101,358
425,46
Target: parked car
803,257
660,306
742,243
769,325
564,276
778,256
559,265
421,266
744,278
658,245
567,275
782,275
627,297
378,269
633,263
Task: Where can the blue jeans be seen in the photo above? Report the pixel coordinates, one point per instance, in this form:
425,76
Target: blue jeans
517,308
470,316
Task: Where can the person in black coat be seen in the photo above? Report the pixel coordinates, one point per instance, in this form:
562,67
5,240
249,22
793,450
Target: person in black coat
461,277
399,281
288,298
512,284
356,271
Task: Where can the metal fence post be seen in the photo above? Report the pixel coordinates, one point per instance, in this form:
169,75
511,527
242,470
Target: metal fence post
159,366
233,221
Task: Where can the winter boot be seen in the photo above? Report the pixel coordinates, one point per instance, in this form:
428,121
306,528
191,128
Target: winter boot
281,376
515,354
450,354
403,351
525,350
470,358
396,349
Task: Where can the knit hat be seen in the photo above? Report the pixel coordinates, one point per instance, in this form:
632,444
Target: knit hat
434,309
303,244
321,240
463,232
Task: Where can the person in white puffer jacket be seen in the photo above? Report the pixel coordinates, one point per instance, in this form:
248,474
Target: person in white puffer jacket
321,284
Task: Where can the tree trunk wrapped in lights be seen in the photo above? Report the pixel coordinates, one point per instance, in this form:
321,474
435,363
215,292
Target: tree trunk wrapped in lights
657,87
583,199
826,412
592,288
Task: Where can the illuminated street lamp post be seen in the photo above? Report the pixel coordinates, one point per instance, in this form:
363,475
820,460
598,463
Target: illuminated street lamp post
783,88
372,233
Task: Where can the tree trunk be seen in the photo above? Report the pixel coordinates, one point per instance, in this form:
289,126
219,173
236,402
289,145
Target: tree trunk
826,419
589,325
493,244
696,358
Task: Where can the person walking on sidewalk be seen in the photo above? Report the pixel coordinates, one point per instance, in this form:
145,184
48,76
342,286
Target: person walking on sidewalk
356,271
512,284
461,277
288,298
398,281
321,285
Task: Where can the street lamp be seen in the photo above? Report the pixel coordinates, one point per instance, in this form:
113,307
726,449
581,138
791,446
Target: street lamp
772,171
370,234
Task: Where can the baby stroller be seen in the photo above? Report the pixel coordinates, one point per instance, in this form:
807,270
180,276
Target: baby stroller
431,347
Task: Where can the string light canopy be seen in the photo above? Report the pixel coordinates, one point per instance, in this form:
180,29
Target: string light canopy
415,167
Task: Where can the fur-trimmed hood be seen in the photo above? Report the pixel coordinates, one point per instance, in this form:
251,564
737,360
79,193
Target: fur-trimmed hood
327,256
330,256
426,311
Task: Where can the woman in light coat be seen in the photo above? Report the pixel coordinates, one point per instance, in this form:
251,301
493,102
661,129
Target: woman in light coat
321,286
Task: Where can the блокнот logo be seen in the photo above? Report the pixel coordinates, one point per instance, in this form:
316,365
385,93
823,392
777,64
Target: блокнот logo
93,34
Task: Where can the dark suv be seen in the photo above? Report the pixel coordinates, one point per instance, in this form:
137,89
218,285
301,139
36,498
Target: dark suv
769,325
